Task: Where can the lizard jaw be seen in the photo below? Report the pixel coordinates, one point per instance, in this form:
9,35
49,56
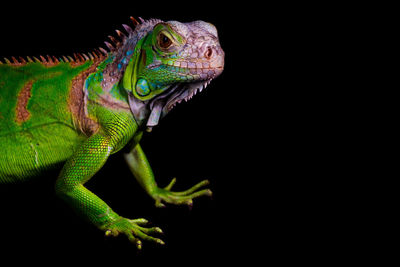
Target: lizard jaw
164,103
186,93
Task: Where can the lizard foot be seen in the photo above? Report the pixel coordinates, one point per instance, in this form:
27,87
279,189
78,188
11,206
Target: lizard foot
179,198
133,230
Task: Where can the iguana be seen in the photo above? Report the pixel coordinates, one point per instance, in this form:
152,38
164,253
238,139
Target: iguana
78,110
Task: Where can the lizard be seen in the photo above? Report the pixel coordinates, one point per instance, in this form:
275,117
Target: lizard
73,112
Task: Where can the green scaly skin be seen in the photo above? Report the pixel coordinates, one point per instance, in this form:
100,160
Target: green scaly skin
76,112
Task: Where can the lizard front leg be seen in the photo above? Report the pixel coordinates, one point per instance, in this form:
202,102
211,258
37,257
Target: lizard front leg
85,162
140,167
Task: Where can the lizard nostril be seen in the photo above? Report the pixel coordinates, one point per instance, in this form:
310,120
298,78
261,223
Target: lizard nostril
208,53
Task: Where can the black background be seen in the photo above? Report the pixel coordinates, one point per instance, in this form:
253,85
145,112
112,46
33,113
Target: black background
256,133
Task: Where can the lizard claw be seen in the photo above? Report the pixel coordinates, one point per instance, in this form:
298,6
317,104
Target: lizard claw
133,230
179,198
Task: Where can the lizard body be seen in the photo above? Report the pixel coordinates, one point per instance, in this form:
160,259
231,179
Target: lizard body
76,112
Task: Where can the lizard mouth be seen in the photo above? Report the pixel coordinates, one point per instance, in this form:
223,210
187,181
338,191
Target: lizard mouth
198,77
202,76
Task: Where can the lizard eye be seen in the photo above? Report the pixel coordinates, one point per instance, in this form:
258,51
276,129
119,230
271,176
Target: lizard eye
163,41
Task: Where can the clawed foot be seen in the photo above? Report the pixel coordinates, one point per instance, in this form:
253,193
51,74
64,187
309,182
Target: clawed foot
133,230
179,198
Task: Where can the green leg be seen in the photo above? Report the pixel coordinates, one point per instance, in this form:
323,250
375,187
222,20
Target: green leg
86,161
141,169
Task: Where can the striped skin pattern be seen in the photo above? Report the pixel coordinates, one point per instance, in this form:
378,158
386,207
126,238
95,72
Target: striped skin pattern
23,129
74,112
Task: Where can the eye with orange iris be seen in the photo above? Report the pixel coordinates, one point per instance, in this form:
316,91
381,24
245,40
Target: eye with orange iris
164,41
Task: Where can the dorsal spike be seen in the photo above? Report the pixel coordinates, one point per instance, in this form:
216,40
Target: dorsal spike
37,60
43,60
120,34
109,46
127,29
115,41
99,53
141,20
135,22
29,59
91,56
7,61
94,52
65,59
15,61
49,59
55,60
70,59
79,57
22,60
85,56
105,53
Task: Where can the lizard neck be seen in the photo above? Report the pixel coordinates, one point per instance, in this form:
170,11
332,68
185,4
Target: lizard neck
104,86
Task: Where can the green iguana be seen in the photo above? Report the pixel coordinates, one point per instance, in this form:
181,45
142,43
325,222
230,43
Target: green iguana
79,110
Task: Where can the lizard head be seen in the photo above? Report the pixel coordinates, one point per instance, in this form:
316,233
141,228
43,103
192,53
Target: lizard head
171,63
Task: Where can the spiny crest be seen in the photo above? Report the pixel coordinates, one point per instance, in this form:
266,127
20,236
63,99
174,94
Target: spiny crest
80,58
77,58
137,33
